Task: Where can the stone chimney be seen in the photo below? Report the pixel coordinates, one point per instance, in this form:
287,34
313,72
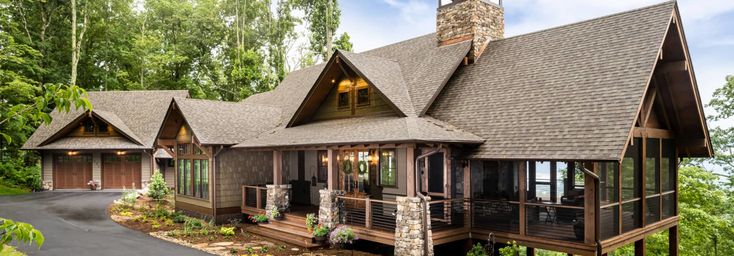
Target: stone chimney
479,21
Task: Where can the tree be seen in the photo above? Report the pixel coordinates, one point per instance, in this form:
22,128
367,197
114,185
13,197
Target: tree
157,189
343,43
323,17
18,231
722,138
76,40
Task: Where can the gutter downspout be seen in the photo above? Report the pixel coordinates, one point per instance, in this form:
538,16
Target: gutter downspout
424,223
214,184
597,204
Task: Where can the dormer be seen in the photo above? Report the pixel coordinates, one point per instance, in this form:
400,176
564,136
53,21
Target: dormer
354,85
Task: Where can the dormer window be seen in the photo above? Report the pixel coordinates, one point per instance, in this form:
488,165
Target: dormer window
363,96
343,101
88,126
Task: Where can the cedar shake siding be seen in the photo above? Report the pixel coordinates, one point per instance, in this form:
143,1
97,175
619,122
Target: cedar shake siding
237,167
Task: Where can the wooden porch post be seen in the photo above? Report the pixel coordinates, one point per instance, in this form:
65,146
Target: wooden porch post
277,167
410,166
673,241
530,251
589,204
523,193
640,247
332,168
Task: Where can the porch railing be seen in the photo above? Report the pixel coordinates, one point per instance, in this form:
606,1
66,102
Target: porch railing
497,215
448,213
254,196
368,213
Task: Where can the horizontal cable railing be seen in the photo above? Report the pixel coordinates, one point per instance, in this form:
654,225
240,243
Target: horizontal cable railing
448,213
253,196
496,215
368,213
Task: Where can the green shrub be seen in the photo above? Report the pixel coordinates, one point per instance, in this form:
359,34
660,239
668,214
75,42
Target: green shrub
260,218
178,217
14,171
157,189
320,231
477,250
512,249
226,231
129,197
311,221
192,224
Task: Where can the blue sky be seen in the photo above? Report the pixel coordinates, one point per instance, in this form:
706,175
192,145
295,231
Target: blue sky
708,24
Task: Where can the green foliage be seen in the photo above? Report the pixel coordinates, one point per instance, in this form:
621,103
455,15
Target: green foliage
323,17
273,214
20,232
342,235
260,218
157,189
129,197
191,224
311,221
178,217
320,231
477,250
343,43
512,249
226,231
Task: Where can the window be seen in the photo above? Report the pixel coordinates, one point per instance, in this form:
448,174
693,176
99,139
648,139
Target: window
668,176
192,171
88,126
388,168
323,166
102,127
343,100
363,96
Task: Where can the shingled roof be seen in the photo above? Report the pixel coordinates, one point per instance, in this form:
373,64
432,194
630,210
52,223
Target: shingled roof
226,123
570,92
363,130
137,114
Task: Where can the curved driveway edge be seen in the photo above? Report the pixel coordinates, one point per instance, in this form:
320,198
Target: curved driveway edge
76,223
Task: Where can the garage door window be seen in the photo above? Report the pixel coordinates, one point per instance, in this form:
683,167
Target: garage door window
193,172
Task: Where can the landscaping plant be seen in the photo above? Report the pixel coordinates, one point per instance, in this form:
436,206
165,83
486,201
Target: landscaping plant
342,235
512,249
129,197
477,250
157,189
274,214
260,218
311,221
192,224
320,231
226,231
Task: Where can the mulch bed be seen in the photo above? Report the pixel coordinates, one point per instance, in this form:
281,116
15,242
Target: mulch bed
140,217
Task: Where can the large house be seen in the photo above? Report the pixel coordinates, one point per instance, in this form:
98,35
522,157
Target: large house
564,139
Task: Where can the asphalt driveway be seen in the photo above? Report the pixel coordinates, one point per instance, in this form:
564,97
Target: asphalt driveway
76,223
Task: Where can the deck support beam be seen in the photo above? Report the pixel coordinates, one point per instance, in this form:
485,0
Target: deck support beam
640,247
673,241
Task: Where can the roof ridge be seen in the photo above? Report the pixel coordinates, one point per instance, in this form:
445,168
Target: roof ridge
398,42
590,20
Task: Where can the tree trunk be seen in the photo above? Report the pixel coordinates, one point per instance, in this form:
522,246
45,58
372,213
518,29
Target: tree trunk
73,43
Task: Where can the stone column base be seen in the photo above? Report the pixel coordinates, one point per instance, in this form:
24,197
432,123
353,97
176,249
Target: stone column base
409,231
278,198
329,207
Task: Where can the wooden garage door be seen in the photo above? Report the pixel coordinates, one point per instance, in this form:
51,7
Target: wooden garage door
120,171
72,171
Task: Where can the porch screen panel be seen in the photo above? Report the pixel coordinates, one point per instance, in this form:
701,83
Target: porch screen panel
609,199
652,181
631,190
187,177
668,176
181,173
388,168
435,173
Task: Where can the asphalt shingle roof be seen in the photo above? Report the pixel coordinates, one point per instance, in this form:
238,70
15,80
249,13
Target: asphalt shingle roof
363,130
138,114
226,123
570,92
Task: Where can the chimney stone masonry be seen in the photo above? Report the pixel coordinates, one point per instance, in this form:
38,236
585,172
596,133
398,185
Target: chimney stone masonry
480,21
